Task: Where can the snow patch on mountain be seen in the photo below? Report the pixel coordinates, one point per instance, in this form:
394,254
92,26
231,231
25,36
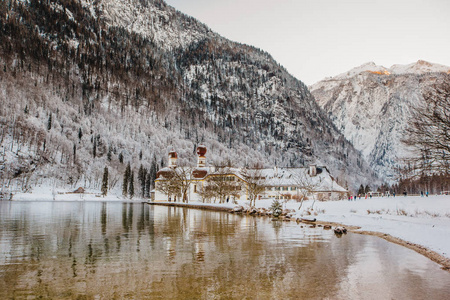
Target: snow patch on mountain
154,20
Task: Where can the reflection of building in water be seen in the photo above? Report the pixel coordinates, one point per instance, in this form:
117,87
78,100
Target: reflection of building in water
200,183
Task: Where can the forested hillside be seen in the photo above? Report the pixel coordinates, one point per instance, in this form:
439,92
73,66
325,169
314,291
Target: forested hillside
89,84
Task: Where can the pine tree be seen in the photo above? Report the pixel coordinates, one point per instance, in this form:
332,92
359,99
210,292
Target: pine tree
80,133
121,157
361,190
276,208
49,122
148,185
367,189
109,154
141,178
153,170
126,180
131,187
94,148
105,182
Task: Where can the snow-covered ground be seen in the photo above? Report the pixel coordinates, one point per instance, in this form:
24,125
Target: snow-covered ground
48,193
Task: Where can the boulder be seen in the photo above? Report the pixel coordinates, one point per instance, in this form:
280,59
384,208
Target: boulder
237,209
340,230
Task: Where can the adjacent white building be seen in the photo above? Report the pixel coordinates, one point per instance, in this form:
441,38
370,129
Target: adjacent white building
313,182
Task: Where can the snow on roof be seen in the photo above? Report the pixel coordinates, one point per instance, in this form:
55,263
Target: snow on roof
300,176
322,182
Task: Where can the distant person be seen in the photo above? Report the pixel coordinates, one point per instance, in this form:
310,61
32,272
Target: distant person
405,193
421,193
427,193
393,194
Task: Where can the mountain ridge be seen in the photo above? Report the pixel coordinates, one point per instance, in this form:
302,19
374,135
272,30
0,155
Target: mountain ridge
93,91
418,67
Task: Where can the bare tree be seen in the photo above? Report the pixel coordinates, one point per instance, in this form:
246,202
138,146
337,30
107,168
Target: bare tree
182,181
175,182
166,184
428,131
255,183
221,184
305,186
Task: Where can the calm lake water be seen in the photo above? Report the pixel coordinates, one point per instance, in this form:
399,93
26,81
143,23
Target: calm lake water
109,250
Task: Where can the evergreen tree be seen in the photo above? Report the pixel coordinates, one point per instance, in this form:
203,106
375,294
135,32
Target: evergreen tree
361,190
140,155
74,152
141,178
148,185
94,148
80,133
49,122
126,180
121,157
26,111
367,189
131,187
276,208
109,154
105,182
153,171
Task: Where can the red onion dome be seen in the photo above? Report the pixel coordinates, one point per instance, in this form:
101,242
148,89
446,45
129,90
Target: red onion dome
201,150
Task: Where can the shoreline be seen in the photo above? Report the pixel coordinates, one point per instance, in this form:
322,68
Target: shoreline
430,254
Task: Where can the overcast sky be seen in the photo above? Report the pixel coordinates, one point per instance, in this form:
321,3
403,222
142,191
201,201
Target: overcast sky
314,39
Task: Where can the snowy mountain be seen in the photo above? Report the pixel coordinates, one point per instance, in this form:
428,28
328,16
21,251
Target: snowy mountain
88,84
371,105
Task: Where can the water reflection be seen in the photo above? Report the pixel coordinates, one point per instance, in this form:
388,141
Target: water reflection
110,250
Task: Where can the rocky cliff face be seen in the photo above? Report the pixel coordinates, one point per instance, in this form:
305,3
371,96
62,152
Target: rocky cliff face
371,106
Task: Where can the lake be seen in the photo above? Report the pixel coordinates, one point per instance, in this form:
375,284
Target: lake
113,250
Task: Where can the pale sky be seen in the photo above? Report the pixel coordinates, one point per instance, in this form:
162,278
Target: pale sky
314,39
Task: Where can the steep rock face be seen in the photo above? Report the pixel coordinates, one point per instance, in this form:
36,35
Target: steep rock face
137,78
371,106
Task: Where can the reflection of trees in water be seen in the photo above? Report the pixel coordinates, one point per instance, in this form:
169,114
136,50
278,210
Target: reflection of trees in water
172,252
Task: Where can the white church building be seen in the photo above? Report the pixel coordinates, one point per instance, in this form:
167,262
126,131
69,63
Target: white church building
312,182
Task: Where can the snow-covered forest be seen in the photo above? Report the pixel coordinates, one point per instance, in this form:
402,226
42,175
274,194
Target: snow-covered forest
82,89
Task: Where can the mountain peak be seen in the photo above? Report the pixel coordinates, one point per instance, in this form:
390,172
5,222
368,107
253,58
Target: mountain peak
419,67
366,67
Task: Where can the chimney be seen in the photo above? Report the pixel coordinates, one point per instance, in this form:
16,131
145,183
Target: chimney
312,170
173,159
201,160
